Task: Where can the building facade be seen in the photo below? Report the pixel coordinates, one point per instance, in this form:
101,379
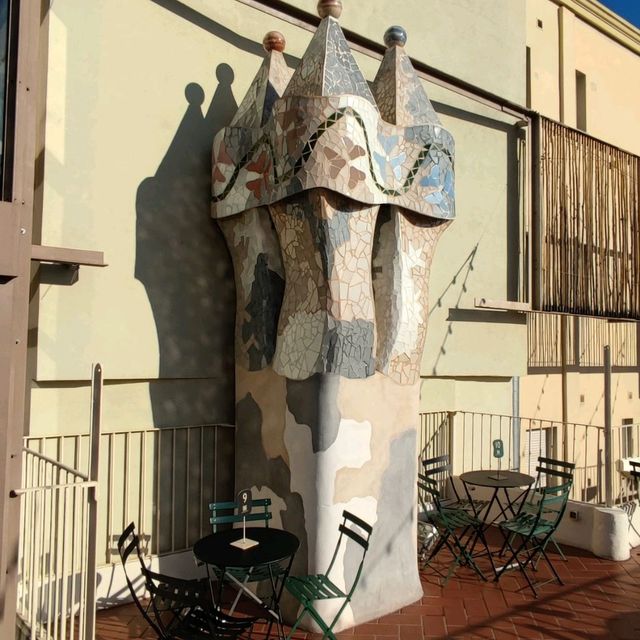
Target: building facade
125,99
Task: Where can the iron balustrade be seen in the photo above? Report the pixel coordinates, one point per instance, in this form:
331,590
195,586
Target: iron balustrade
467,438
56,589
161,478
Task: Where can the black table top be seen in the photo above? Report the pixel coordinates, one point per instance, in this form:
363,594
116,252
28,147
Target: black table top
275,545
508,479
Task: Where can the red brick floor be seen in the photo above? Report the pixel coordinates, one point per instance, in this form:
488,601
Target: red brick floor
600,600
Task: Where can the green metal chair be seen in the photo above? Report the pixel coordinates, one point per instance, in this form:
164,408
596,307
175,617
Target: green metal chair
439,469
535,524
452,525
227,513
551,472
309,589
177,609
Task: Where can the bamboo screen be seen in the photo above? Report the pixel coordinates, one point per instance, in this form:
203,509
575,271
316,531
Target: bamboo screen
590,225
586,338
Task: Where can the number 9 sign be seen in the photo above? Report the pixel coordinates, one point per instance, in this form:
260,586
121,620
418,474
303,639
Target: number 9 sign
498,449
244,502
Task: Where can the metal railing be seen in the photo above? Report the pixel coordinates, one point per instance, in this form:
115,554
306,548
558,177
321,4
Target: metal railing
163,479
467,437
56,596
54,548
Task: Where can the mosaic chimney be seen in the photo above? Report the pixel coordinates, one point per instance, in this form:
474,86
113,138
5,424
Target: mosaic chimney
327,403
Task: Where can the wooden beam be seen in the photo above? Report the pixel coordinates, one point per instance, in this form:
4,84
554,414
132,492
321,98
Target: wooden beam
503,305
62,255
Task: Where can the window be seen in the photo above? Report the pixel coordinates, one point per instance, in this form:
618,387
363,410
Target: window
536,444
581,101
8,50
626,439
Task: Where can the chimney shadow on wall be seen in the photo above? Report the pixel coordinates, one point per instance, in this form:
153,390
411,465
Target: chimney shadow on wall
184,265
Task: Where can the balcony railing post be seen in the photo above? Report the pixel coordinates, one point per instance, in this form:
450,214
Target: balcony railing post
536,214
608,449
92,534
450,438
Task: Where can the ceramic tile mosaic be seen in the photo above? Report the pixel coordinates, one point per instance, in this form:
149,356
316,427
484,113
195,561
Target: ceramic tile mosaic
251,238
328,104
259,278
327,317
402,257
405,242
328,68
268,85
399,93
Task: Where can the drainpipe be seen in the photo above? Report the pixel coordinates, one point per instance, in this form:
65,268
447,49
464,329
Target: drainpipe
515,423
608,452
563,349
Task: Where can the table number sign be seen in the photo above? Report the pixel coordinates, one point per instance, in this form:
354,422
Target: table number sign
498,452
244,502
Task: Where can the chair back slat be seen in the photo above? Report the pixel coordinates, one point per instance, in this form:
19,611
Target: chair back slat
553,502
362,539
428,486
568,475
441,467
228,512
431,471
556,463
356,537
437,460
357,521
250,517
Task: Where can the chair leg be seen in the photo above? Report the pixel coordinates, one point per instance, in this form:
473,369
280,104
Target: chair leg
558,549
465,555
555,573
326,631
483,539
441,542
330,628
297,622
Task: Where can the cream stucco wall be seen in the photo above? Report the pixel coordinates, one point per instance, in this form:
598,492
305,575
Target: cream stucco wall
542,397
566,42
135,92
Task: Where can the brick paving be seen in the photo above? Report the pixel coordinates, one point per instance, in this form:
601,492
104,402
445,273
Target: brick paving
599,601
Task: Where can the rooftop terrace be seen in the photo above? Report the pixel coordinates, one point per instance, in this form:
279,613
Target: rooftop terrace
599,600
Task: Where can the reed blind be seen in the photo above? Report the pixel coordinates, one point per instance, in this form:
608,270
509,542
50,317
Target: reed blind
590,228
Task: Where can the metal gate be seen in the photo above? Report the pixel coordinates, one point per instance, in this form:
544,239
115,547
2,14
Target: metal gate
57,553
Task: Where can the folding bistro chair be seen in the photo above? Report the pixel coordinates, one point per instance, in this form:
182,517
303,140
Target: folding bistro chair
535,524
439,469
309,589
549,472
448,521
178,609
228,513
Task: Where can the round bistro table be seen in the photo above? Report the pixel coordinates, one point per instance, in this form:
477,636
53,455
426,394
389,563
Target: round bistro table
268,558
495,480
